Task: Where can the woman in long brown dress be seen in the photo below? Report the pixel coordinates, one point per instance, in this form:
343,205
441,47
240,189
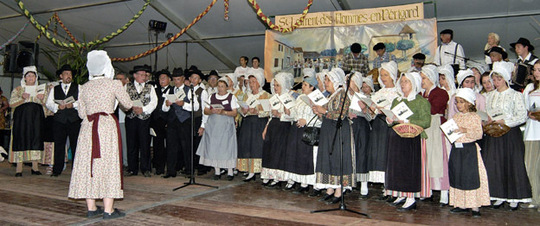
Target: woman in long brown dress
98,164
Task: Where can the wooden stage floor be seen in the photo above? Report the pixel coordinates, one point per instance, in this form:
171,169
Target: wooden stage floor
42,200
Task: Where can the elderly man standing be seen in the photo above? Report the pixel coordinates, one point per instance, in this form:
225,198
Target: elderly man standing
145,101
63,102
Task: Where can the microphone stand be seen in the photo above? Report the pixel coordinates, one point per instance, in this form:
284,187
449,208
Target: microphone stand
192,173
460,57
339,124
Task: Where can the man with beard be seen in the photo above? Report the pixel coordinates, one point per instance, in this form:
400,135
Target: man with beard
62,101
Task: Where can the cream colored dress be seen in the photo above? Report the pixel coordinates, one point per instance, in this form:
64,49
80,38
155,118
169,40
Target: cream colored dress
105,180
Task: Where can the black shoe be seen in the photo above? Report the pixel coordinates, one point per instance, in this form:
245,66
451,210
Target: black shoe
131,173
35,172
301,190
334,200
55,174
398,203
147,174
216,177
95,213
274,184
363,196
443,205
158,173
476,214
514,208
404,209
288,188
201,172
326,197
230,178
314,193
113,215
459,210
168,176
253,178
430,199
384,197
497,206
18,174
391,199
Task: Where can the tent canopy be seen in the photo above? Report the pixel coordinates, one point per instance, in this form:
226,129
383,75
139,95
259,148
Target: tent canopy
214,43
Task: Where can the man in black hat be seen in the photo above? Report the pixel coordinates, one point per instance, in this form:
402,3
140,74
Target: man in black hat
159,122
449,52
382,55
496,54
178,124
355,60
524,50
137,122
62,101
417,62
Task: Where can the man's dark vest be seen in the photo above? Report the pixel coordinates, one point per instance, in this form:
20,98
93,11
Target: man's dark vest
67,115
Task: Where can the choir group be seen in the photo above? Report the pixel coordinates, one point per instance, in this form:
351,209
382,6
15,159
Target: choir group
341,128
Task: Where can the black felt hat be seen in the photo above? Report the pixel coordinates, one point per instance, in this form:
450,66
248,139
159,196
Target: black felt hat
65,67
497,50
212,73
163,71
524,42
145,68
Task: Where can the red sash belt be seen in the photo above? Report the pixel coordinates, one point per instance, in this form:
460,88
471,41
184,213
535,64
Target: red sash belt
96,153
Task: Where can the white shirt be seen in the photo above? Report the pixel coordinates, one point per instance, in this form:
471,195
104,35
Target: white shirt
241,71
528,57
532,128
442,58
186,106
301,110
53,106
512,104
149,108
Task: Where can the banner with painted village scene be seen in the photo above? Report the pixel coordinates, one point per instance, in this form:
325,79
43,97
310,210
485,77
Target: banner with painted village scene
324,47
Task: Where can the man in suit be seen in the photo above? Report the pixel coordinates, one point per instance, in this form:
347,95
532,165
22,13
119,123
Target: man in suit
66,119
159,122
138,122
179,125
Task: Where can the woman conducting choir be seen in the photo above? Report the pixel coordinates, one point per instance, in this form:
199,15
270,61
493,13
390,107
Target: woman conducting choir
97,170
